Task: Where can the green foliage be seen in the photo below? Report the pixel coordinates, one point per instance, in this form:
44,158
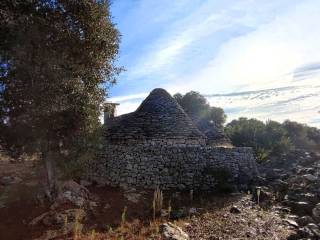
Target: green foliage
302,135
196,106
75,158
56,64
262,154
271,137
266,138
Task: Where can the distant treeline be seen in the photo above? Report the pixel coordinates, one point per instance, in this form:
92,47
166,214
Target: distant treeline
266,138
271,137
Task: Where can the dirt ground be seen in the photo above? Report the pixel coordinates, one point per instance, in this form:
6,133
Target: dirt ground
20,204
18,201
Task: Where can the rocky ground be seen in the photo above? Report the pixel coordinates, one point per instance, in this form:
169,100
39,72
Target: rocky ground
294,181
239,219
287,207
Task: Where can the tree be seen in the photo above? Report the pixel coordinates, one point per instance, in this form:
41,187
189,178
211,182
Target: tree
265,138
56,63
302,135
197,106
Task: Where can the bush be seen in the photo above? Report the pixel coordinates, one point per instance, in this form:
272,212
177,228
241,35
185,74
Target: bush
86,149
265,138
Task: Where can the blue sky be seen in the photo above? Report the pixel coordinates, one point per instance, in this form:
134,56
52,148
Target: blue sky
222,47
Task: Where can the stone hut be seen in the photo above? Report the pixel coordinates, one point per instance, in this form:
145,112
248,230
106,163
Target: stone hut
159,119
159,145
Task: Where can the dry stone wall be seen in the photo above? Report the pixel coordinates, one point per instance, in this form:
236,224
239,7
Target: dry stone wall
183,166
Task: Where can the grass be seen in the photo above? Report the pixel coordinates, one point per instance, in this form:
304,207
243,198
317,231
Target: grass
213,220
135,230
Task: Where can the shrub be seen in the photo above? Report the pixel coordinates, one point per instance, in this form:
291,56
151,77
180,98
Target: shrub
270,138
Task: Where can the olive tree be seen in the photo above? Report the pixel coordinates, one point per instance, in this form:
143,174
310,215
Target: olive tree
57,60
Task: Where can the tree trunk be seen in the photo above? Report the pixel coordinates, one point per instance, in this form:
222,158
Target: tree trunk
51,178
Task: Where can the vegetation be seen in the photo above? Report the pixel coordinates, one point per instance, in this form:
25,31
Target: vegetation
266,138
302,136
197,106
56,63
157,202
272,138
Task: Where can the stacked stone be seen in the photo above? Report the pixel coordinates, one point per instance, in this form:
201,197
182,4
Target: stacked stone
174,166
159,145
158,117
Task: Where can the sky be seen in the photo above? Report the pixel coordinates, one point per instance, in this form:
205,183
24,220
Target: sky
254,58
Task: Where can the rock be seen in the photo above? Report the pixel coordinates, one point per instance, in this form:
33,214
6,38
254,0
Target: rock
309,197
75,188
300,208
170,231
132,196
235,209
8,180
60,233
261,181
281,209
292,223
181,186
314,229
38,219
71,192
310,177
76,200
316,212
265,195
179,213
303,221
303,233
93,204
107,206
193,211
53,218
251,233
164,213
305,171
85,183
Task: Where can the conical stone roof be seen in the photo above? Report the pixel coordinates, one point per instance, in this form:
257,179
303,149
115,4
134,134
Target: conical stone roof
158,117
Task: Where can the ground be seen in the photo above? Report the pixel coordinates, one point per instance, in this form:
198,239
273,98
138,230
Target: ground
205,217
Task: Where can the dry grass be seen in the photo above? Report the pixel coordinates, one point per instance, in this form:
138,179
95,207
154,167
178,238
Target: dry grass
214,222
135,230
253,222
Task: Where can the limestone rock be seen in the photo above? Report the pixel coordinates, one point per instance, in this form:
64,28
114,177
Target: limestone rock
72,192
8,180
159,145
53,218
316,212
305,220
310,177
61,233
314,229
170,231
292,223
132,196
235,209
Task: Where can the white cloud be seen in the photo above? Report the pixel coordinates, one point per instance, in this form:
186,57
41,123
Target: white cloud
276,39
265,56
301,104
128,97
161,56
